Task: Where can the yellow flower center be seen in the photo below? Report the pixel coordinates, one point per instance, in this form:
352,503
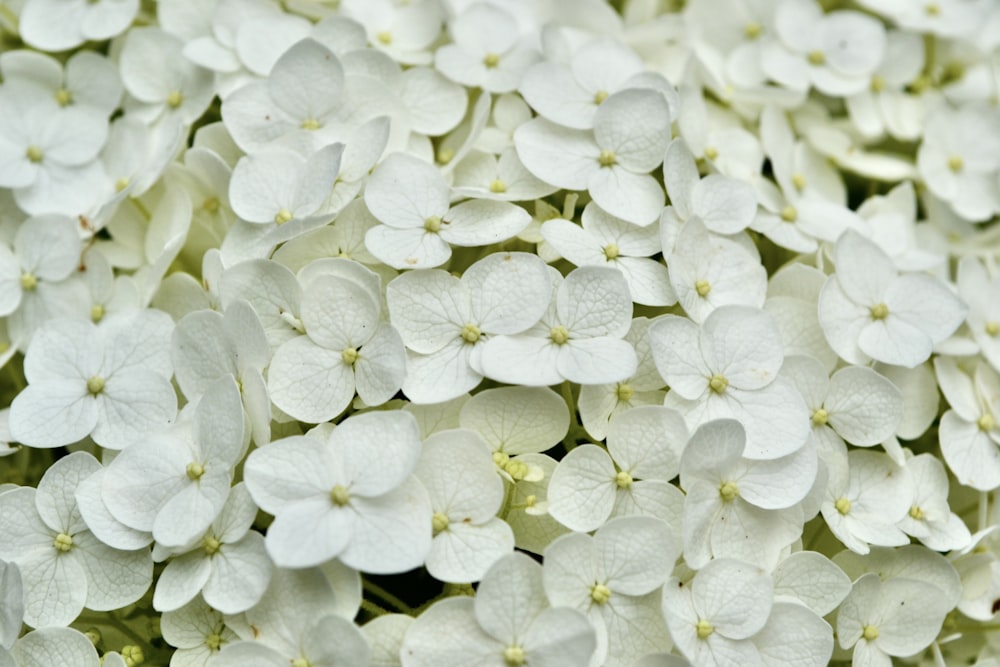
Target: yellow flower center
799,181
311,124
439,522
283,216
471,333
600,593
729,491
95,385
917,513
349,355
301,662
878,84
491,60
339,495
607,158
122,183
611,251
600,96
210,544
623,480
703,287
210,205
96,312
28,281
879,311
559,335
932,9
175,99
956,163
718,383
64,97
753,30
992,328
514,656
213,642
63,542
816,57
498,186
704,629
820,417
986,422
518,470
843,505
433,224
789,214
385,37
194,471
711,152
133,655
624,392
870,632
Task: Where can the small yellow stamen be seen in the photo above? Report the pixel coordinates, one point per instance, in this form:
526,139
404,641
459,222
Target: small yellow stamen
439,522
729,491
301,662
500,459
600,593
283,216
63,97
28,281
471,333
96,313
870,632
497,186
820,417
607,158
704,629
611,251
799,181
385,37
986,422
514,656
917,513
600,96
932,9
711,152
210,205
175,99
211,545
816,57
843,505
491,60
213,642
349,355
445,155
518,470
311,124
34,153
877,84
753,30
623,480
122,183
624,392
956,163
133,655
703,287
992,328
95,385
559,335
339,495
718,383
433,224
879,311
63,542
789,214
195,470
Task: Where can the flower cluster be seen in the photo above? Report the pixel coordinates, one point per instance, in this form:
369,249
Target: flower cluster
436,333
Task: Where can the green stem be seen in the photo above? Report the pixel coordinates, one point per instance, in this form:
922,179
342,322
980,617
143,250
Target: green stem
385,596
973,629
569,442
373,608
110,619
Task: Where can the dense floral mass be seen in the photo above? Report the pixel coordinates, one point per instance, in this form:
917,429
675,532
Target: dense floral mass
556,333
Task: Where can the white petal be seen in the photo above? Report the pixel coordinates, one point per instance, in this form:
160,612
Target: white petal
582,489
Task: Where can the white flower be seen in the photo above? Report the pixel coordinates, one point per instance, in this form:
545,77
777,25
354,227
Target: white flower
58,25
604,240
740,508
89,80
196,631
866,497
411,198
509,622
835,52
12,597
404,31
958,159
37,279
175,483
886,107
896,617
63,566
109,382
970,430
729,368
929,519
578,339
445,321
792,294
351,496
346,348
631,477
980,291
51,646
712,618
811,579
614,577
868,310
489,50
612,161
327,641
465,493
229,566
